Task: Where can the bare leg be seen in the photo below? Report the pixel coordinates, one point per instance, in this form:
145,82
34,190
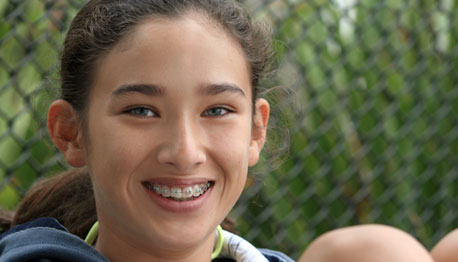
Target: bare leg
447,248
372,243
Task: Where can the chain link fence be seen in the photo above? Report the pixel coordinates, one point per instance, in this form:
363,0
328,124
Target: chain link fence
371,114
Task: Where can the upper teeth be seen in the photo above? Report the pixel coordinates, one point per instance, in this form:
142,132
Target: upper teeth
178,192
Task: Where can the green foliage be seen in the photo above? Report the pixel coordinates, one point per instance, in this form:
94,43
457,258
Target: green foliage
28,56
376,139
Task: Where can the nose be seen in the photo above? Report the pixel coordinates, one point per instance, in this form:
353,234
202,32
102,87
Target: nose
181,148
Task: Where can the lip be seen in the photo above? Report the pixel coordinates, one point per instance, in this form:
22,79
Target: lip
179,207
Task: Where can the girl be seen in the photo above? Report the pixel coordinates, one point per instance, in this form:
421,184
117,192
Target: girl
159,103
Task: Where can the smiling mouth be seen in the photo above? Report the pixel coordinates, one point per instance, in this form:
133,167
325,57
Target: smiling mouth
179,194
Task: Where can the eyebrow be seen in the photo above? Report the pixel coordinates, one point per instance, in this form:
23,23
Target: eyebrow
146,89
154,90
216,89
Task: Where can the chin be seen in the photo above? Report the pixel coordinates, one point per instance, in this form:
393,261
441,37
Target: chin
179,235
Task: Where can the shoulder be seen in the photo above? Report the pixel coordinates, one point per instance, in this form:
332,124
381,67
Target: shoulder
44,238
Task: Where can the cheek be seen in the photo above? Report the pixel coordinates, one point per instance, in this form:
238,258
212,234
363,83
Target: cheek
231,153
231,143
114,151
113,156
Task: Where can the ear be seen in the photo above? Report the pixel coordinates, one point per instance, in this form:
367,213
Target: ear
258,132
65,130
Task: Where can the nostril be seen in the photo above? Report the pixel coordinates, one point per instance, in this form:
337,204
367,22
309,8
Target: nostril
181,157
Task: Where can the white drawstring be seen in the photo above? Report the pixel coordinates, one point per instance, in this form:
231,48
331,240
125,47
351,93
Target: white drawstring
239,249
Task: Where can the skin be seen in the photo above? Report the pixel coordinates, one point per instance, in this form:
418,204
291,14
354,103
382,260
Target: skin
375,243
188,130
446,250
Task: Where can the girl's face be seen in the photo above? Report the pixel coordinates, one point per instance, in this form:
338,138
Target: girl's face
170,114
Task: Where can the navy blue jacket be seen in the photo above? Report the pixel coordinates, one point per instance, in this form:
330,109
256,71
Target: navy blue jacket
46,240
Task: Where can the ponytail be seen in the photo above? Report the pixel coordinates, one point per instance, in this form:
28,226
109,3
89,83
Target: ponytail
67,197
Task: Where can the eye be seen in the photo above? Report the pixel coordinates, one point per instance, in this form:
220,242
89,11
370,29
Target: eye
217,111
142,112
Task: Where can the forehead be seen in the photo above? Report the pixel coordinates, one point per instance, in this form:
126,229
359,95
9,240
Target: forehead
172,51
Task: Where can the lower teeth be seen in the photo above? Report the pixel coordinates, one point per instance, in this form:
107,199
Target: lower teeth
180,199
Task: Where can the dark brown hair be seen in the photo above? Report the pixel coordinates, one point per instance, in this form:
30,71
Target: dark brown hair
95,30
101,24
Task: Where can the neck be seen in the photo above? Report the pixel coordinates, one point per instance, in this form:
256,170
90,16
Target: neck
120,249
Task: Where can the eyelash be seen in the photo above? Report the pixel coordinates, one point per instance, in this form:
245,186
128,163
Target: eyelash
228,111
143,108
